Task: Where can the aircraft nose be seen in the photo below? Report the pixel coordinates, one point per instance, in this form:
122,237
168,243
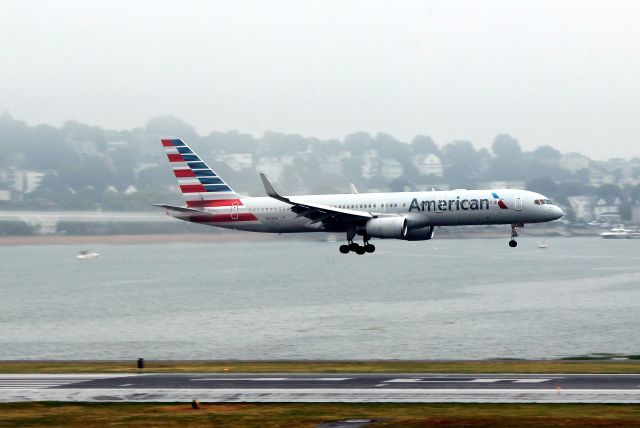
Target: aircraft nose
557,212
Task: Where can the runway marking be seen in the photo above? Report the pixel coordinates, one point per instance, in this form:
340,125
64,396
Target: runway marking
477,380
274,379
20,381
127,384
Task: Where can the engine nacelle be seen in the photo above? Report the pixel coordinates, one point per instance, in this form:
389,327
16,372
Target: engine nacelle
387,227
420,234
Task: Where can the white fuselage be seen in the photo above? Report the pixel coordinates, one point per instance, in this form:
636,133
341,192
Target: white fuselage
435,208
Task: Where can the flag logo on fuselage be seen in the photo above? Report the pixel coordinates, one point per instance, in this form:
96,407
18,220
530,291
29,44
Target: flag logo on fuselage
500,201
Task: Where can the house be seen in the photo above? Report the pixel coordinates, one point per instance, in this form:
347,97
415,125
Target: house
236,161
273,167
598,177
574,161
635,211
582,207
606,210
428,164
503,184
390,169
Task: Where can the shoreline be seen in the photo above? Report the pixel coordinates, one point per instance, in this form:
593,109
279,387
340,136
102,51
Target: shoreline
233,236
124,239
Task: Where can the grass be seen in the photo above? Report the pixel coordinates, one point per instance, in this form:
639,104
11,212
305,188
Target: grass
53,414
482,366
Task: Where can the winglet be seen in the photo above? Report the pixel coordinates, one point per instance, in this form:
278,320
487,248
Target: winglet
271,191
353,189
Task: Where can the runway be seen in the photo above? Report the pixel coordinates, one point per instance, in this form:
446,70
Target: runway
510,388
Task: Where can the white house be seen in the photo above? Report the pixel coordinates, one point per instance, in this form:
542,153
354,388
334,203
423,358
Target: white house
582,207
428,164
607,211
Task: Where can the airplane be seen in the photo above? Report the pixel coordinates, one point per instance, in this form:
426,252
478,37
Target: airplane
408,216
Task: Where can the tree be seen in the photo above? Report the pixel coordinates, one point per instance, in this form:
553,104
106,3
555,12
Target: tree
461,164
544,185
358,142
546,154
423,144
507,147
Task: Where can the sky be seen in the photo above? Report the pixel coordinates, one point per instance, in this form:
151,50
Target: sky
563,73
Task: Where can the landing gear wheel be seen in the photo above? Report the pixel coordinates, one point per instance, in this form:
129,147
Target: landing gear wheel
513,243
369,248
344,249
353,246
360,250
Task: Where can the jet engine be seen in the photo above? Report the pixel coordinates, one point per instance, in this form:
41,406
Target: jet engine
387,227
420,234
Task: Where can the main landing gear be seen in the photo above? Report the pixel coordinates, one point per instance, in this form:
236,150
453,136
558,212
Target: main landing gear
355,247
514,234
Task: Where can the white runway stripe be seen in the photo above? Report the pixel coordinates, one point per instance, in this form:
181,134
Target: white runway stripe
20,381
276,379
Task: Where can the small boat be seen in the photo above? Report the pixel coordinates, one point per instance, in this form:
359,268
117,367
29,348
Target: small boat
86,255
618,232
542,244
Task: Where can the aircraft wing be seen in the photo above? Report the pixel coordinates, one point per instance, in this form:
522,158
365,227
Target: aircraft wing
315,212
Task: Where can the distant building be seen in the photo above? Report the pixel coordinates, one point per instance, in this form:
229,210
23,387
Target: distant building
390,169
23,181
503,184
607,211
5,195
428,164
332,164
86,148
582,207
273,167
130,190
370,164
599,177
236,161
114,145
635,211
574,161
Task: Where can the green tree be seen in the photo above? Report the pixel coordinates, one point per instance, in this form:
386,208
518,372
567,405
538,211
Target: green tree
461,164
423,144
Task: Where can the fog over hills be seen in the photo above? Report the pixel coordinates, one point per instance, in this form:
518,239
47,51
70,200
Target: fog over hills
77,166
554,73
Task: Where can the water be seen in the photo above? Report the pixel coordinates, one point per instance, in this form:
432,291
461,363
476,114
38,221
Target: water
284,299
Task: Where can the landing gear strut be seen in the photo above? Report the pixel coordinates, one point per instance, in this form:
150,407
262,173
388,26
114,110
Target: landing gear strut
514,234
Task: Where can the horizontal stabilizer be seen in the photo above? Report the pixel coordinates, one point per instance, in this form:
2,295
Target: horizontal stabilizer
180,209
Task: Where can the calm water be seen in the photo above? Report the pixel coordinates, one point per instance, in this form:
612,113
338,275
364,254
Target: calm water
288,299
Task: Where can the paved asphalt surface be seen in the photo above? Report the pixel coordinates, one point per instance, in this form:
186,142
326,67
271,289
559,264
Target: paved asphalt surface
323,387
289,381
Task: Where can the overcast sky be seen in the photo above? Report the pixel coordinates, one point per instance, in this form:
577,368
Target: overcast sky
565,73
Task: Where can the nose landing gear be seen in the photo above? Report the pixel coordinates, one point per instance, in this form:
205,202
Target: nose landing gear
514,234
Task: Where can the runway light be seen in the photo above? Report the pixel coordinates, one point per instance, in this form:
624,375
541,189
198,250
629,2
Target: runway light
225,369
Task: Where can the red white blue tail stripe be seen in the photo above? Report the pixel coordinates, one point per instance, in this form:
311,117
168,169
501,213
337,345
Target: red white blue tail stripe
199,184
202,188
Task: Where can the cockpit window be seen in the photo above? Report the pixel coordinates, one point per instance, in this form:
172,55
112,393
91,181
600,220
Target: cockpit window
537,201
548,201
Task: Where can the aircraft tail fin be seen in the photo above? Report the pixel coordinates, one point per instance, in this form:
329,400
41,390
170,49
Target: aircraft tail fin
200,186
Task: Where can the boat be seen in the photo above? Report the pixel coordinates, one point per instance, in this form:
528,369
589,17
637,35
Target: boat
86,255
619,232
